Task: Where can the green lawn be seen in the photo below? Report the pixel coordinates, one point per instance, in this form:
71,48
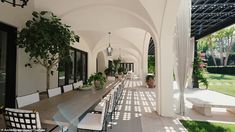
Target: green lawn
221,83
203,126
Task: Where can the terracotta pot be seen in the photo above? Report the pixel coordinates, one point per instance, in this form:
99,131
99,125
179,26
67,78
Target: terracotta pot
151,83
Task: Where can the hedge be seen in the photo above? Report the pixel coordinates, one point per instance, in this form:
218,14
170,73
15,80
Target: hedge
229,70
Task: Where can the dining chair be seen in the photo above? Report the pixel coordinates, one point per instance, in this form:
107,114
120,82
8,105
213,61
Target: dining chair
21,119
53,92
95,121
78,84
25,120
111,109
100,105
27,99
68,88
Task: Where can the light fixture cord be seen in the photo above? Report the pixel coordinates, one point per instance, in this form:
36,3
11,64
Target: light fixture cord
109,38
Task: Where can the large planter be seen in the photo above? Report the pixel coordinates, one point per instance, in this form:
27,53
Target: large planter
97,84
150,81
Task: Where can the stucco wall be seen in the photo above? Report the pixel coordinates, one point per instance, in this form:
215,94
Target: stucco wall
16,17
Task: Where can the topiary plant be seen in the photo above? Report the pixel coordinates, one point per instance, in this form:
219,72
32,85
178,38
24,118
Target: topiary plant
46,40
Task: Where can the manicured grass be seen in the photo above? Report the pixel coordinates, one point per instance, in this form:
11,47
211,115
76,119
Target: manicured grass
221,83
229,90
203,126
220,77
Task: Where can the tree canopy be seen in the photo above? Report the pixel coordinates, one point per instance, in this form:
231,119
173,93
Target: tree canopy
46,40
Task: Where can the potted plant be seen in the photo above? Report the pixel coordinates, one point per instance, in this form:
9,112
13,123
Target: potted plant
98,80
150,81
109,71
120,70
46,40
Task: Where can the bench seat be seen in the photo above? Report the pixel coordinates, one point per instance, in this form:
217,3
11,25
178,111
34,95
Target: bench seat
204,107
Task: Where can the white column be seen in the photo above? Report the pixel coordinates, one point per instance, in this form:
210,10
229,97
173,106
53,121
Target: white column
164,80
145,56
164,60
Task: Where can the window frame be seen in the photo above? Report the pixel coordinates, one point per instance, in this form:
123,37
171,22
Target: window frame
66,68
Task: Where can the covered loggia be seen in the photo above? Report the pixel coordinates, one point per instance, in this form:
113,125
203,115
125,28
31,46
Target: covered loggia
132,23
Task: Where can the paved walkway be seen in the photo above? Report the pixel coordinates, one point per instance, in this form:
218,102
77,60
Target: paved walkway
138,105
137,112
218,114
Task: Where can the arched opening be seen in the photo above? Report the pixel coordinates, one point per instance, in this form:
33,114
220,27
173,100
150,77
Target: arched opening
151,57
100,62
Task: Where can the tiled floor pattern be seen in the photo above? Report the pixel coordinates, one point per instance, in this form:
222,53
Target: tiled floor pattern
133,83
136,112
133,104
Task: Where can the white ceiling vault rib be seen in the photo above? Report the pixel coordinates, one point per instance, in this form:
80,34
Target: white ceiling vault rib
128,21
116,42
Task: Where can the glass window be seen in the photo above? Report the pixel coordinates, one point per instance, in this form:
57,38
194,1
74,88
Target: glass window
84,67
3,44
79,67
61,72
73,70
71,66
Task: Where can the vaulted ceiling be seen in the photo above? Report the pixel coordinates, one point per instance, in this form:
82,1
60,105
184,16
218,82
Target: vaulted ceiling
128,21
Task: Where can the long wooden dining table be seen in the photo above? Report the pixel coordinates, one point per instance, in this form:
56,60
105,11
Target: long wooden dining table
68,107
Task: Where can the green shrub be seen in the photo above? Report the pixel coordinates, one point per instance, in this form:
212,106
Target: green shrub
199,71
151,64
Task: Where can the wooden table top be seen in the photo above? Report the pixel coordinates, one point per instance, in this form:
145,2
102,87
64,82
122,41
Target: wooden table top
68,107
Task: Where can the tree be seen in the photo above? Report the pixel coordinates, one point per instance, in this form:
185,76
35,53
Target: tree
219,39
46,40
203,45
208,40
229,33
225,40
233,48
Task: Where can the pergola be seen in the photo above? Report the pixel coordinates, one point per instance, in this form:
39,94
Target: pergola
151,49
209,16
